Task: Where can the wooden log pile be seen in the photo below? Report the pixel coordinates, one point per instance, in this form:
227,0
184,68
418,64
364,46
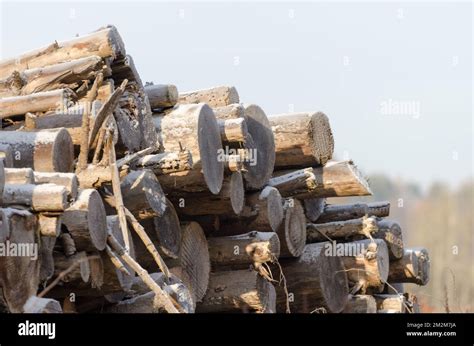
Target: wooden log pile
117,196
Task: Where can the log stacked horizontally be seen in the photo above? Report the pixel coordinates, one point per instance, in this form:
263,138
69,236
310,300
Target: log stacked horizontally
119,196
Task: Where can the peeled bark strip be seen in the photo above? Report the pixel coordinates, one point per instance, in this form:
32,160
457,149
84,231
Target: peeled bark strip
361,304
68,180
302,139
366,263
6,155
314,281
46,197
314,208
162,95
35,305
387,303
261,147
49,225
166,163
238,291
413,267
104,43
242,250
215,97
69,74
343,212
195,128
39,102
44,151
19,277
230,199
19,176
335,179
233,130
193,264
86,221
292,231
341,229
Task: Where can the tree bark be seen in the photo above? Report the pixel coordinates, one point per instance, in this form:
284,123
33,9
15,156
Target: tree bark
45,197
214,97
341,230
302,139
44,151
413,267
166,163
345,212
96,176
86,221
238,291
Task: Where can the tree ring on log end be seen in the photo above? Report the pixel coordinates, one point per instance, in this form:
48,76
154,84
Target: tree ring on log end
237,196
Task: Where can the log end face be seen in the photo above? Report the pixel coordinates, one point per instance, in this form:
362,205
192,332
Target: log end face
322,140
96,219
274,203
168,231
294,229
237,196
62,152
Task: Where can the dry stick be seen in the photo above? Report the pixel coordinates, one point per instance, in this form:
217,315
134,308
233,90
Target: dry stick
148,243
63,274
116,260
118,192
107,108
161,297
132,157
104,161
100,144
91,95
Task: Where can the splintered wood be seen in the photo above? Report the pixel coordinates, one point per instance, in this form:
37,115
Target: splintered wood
121,197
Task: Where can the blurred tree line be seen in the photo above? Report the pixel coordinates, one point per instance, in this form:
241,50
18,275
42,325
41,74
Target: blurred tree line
441,220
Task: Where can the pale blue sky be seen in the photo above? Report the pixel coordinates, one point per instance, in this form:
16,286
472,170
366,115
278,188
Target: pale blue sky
346,59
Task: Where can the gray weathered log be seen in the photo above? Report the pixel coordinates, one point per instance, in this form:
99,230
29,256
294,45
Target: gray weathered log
413,267
162,95
343,212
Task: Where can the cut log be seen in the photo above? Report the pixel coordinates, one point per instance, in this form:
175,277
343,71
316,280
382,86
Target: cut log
314,208
366,263
165,163
335,179
231,111
162,95
241,251
193,263
39,102
292,231
46,197
194,127
46,247
302,139
95,176
86,221
63,75
390,303
345,212
238,291
105,43
68,180
19,277
233,130
49,225
214,97
6,155
360,304
314,280
44,151
413,267
35,305
230,199
19,176
391,232
78,265
341,230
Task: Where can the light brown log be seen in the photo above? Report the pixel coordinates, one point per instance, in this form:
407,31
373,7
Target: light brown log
391,232
214,97
341,230
49,225
314,281
366,263
104,43
360,304
335,179
231,111
6,155
238,291
162,95
63,75
313,208
233,130
68,180
387,303
302,139
343,212
234,163
413,267
165,163
292,231
19,176
86,221
39,102
195,128
95,176
35,305
46,197
19,277
241,251
193,263
230,200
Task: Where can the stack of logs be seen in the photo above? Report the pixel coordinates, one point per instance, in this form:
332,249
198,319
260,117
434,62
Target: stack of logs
117,196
